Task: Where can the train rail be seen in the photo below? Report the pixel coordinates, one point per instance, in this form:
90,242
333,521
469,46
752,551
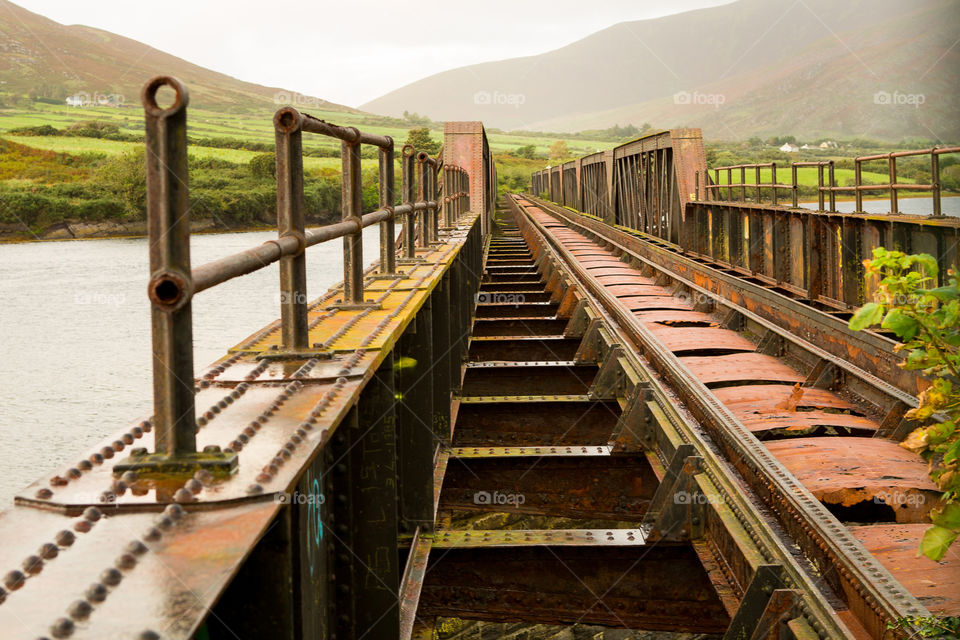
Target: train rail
812,438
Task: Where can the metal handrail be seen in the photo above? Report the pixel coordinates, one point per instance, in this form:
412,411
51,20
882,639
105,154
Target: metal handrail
173,283
829,188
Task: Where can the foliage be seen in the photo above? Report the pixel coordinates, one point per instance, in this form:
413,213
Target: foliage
527,151
927,321
263,166
559,151
929,626
421,141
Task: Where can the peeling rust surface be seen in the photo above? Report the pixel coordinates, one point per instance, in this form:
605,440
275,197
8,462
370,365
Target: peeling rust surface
937,584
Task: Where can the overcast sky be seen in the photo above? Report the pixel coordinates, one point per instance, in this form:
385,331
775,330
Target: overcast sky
351,51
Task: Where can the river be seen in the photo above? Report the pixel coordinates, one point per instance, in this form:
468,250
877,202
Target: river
917,206
75,321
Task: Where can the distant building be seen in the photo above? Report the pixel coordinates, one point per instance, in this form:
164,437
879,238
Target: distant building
789,148
78,100
807,146
828,144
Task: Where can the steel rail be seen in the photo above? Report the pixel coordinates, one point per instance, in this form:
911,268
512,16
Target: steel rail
719,469
892,600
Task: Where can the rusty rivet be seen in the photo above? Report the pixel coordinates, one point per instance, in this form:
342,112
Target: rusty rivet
174,512
111,577
3,595
119,487
106,452
236,445
62,628
80,610
263,477
152,534
44,494
228,450
249,431
85,465
96,458
82,526
212,448
148,635
137,432
125,561
183,495
73,473
243,438
127,438
48,551
58,481
118,445
203,476
136,547
14,580
254,489
65,538
164,522
92,514
194,486
96,592
129,477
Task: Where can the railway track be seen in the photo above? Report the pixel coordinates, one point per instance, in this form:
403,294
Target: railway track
611,406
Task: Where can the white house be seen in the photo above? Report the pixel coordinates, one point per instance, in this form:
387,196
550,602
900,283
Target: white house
789,148
78,100
828,144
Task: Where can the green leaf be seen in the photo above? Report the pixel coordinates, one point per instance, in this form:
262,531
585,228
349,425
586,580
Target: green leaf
866,316
936,540
947,517
901,324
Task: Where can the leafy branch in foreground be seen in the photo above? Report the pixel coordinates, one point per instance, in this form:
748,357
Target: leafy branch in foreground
927,322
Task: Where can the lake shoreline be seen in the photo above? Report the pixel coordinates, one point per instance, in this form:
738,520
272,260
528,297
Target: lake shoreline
80,230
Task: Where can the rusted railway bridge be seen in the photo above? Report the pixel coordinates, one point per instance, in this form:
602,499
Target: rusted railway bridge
627,398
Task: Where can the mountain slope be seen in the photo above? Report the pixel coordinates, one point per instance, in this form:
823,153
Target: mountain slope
47,59
805,67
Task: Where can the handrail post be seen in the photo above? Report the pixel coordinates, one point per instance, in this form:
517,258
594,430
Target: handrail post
773,181
935,181
423,195
858,194
408,188
170,290
171,283
291,221
894,205
352,203
793,185
833,184
388,232
820,186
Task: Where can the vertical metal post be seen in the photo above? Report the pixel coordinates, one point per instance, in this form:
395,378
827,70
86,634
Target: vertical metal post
290,222
171,284
743,184
423,195
833,193
820,187
793,184
893,181
935,180
756,171
408,187
773,181
447,193
858,194
434,171
352,203
388,231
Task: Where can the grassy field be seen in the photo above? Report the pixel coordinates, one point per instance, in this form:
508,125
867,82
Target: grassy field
77,146
256,128
807,177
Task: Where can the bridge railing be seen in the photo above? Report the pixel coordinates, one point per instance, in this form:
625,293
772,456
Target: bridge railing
173,282
827,188
659,186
